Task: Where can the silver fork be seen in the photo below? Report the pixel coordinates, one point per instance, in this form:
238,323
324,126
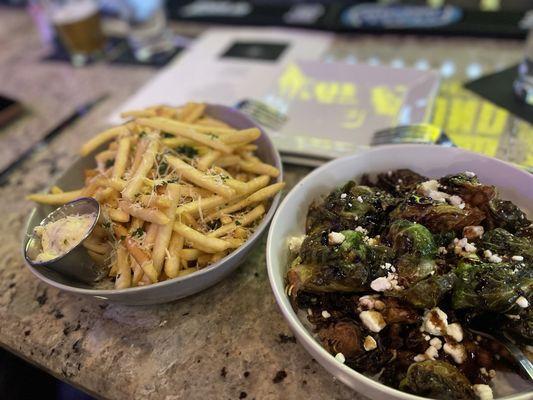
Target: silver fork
418,133
523,362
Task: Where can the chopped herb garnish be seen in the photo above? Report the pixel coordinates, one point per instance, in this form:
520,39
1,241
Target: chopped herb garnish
238,223
109,162
138,232
122,237
187,151
167,135
163,167
106,224
142,134
213,136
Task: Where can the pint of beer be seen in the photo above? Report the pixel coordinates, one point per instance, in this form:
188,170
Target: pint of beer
77,23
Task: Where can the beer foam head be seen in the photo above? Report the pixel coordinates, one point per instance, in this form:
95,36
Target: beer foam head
73,11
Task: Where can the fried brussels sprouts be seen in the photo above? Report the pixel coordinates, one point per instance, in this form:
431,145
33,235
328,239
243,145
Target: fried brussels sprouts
505,214
400,181
411,238
437,380
468,188
438,218
503,242
491,286
428,292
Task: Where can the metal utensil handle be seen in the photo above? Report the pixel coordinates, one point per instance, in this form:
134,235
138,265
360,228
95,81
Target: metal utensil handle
525,365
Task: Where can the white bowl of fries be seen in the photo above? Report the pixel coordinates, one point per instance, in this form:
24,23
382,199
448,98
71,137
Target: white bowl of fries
185,193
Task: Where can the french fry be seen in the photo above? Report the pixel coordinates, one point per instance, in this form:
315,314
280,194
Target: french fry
208,159
103,137
245,220
164,232
190,254
117,184
174,127
143,259
259,168
140,149
241,137
148,200
195,112
56,190
121,158
146,214
137,272
172,262
151,234
116,214
123,269
201,205
227,161
191,174
135,183
55,199
138,114
119,231
211,122
199,240
177,141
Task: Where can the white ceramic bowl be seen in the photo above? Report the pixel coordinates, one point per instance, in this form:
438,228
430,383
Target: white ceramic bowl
171,289
432,161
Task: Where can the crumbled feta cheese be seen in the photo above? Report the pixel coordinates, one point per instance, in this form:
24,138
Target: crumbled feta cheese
461,206
517,258
484,392
336,238
295,243
456,350
367,302
455,200
435,322
373,320
309,311
470,248
359,199
522,302
473,231
442,250
436,343
455,331
372,242
419,357
492,374
427,338
379,305
384,283
432,353
511,316
495,259
381,284
325,314
470,174
361,229
343,196
340,358
487,253
370,343
430,189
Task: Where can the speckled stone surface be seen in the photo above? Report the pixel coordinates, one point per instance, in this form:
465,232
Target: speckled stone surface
225,343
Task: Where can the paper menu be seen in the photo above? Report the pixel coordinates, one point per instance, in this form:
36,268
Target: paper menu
333,109
226,65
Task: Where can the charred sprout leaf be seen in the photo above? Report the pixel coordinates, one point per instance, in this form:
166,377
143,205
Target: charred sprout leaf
469,188
342,337
411,238
341,277
491,286
315,249
348,207
438,218
444,238
400,181
414,245
501,242
428,292
437,380
505,214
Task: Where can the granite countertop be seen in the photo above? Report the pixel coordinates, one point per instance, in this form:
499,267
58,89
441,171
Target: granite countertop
229,341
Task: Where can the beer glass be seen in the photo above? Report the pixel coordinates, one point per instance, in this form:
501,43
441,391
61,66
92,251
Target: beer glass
77,23
523,85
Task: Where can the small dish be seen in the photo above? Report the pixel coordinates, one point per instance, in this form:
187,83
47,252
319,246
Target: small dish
76,262
433,161
171,289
